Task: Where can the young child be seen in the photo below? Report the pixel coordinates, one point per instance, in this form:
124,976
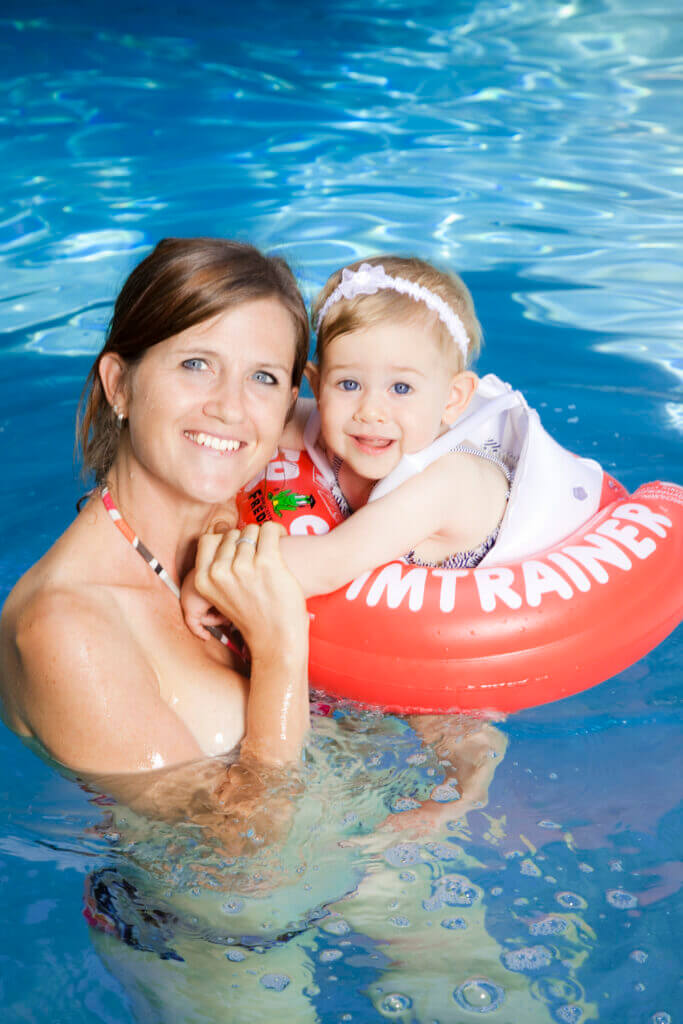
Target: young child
395,337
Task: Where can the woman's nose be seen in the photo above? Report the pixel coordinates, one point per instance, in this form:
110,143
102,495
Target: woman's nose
226,401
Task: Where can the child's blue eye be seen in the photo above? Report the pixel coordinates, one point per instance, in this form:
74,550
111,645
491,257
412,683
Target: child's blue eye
349,385
263,377
194,364
400,388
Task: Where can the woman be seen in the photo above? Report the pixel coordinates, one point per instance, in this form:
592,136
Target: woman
185,404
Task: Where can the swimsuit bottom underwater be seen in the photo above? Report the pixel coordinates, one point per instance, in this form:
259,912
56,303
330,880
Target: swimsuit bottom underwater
115,906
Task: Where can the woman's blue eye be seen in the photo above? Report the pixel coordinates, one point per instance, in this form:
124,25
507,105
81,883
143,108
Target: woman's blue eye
401,389
349,385
194,364
263,377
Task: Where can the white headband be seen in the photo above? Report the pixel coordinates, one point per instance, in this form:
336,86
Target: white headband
368,279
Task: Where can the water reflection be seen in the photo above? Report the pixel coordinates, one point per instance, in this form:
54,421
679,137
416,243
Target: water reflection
353,907
545,134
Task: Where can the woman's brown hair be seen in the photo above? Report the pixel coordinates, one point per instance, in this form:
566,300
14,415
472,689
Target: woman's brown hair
181,283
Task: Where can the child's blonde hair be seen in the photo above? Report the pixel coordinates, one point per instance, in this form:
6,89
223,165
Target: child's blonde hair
365,311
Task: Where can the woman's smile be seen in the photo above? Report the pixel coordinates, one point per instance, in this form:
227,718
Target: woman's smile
214,444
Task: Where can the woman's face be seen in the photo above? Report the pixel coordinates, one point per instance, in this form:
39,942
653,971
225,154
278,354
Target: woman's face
206,408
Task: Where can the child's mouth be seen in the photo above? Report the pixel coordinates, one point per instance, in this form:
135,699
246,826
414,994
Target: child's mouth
372,445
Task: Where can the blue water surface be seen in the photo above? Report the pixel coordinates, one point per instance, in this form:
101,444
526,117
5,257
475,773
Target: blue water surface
534,146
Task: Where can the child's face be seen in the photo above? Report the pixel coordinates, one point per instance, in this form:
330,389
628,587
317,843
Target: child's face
384,392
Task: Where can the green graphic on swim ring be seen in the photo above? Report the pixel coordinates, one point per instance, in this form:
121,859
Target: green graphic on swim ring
289,501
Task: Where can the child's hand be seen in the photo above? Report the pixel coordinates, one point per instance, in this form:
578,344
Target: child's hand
198,612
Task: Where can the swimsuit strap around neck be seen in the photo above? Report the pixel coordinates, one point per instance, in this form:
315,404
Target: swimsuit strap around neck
133,538
157,567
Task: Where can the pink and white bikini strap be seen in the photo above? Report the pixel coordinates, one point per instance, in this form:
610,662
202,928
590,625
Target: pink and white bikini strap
232,639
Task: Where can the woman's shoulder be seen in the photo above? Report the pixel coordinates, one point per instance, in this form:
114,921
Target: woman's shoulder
59,627
57,618
63,574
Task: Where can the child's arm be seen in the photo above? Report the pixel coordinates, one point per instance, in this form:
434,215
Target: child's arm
460,495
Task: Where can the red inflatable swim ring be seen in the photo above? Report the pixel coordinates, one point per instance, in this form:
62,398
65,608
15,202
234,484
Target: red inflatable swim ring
419,640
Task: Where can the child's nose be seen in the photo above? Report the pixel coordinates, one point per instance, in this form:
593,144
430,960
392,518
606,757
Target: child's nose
371,408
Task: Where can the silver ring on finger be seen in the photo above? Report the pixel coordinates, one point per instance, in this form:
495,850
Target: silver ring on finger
245,540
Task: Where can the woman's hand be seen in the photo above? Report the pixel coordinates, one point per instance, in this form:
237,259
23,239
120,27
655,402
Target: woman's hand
198,612
244,577
242,574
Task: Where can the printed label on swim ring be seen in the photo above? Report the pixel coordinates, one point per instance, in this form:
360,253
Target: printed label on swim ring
290,491
503,638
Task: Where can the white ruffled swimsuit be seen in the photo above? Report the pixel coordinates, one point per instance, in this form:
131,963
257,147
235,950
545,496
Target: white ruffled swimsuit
459,559
552,491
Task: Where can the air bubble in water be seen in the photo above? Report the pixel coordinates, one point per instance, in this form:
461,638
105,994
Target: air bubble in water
402,854
639,955
399,921
236,955
233,906
445,793
661,1017
395,1002
452,891
527,867
329,955
442,851
416,759
479,995
407,876
548,824
338,927
276,982
454,923
404,803
569,1014
621,899
571,901
528,958
549,925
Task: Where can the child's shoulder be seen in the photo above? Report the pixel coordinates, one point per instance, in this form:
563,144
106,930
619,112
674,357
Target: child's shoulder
293,434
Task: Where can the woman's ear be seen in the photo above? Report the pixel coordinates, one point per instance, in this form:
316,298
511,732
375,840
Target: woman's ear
460,395
112,371
290,413
312,375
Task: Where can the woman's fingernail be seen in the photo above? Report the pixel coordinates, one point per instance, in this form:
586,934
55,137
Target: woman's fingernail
220,526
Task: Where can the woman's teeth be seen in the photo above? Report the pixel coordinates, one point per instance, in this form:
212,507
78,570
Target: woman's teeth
218,444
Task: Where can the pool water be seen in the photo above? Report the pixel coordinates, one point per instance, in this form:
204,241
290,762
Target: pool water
536,147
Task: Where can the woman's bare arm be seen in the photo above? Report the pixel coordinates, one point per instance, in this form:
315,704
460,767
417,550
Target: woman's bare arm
92,700
94,706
